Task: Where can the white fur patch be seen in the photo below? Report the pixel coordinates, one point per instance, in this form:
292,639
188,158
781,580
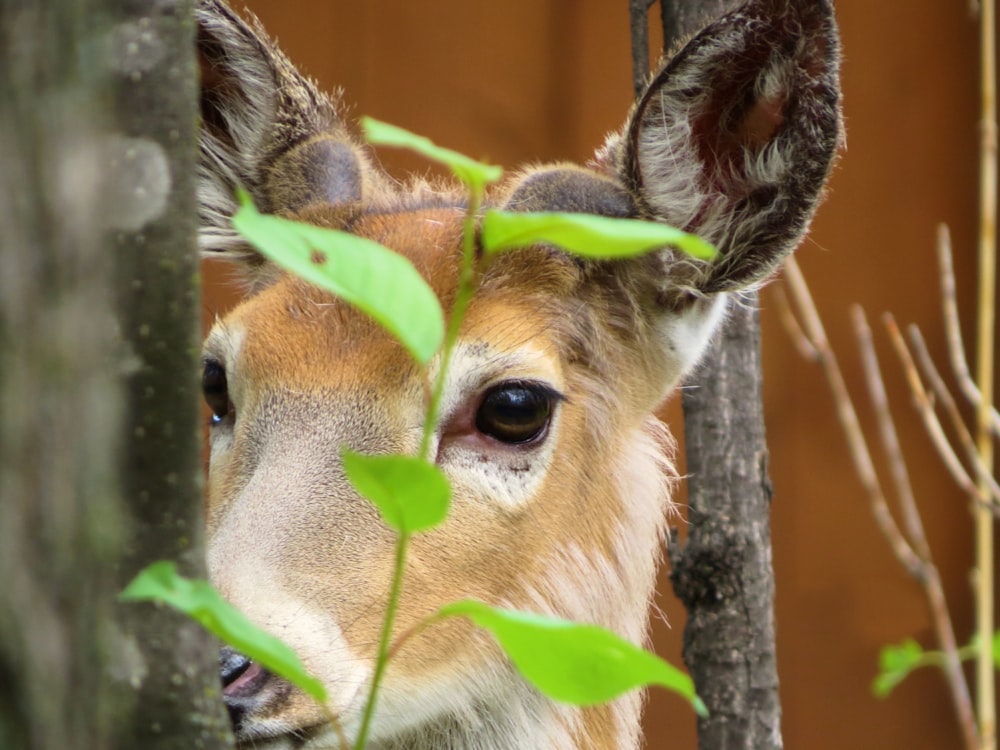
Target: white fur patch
252,586
686,335
616,592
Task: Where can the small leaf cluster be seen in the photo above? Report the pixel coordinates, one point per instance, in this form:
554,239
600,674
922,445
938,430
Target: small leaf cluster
897,661
574,663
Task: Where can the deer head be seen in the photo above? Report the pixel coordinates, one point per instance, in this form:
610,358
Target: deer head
562,475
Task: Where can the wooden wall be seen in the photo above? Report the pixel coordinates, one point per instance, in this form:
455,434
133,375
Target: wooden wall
528,80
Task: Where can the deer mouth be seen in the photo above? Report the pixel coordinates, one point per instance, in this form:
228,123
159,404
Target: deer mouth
247,680
248,690
262,706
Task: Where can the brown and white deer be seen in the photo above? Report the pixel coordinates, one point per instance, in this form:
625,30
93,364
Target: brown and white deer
561,472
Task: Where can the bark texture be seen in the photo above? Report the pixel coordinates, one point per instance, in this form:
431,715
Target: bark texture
174,665
682,18
722,573
99,444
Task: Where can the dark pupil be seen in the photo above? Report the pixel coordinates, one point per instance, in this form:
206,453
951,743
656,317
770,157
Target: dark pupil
514,413
215,388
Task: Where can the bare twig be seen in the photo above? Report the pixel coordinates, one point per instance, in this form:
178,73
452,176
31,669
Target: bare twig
986,308
933,589
947,402
925,408
791,325
914,555
887,430
863,465
338,728
953,331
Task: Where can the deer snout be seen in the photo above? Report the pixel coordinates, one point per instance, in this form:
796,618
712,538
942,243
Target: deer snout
242,680
233,668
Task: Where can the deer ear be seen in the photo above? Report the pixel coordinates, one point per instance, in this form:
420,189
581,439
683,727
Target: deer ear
734,137
264,127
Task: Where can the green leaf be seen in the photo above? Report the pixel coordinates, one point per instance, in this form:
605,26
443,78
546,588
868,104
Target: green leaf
895,663
200,601
412,494
473,173
587,235
579,664
381,283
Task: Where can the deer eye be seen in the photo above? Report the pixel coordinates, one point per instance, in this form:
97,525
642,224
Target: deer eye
516,412
216,390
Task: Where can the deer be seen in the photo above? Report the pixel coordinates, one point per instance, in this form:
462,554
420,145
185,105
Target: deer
562,474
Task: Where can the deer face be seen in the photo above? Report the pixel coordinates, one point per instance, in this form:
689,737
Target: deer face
560,473
532,435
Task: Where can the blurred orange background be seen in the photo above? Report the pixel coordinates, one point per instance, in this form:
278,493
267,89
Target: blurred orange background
527,80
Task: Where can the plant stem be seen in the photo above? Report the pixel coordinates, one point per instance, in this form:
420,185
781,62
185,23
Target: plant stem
986,700
338,728
402,544
953,330
420,627
929,577
463,295
943,396
940,659
925,405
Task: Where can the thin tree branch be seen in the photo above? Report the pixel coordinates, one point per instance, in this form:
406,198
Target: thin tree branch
953,329
943,396
931,579
863,464
791,325
887,431
921,565
925,409
639,23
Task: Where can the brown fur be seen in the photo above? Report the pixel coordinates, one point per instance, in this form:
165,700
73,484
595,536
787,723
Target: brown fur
733,138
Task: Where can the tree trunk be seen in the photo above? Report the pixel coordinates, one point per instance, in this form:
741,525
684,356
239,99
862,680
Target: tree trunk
156,97
99,444
60,402
722,573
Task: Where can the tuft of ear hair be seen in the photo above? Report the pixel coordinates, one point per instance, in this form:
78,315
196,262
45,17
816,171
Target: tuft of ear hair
734,138
267,128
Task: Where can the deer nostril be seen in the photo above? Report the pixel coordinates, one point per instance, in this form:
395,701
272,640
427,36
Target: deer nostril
242,681
232,664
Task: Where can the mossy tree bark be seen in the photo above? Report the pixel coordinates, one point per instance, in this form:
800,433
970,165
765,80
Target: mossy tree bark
99,439
722,572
